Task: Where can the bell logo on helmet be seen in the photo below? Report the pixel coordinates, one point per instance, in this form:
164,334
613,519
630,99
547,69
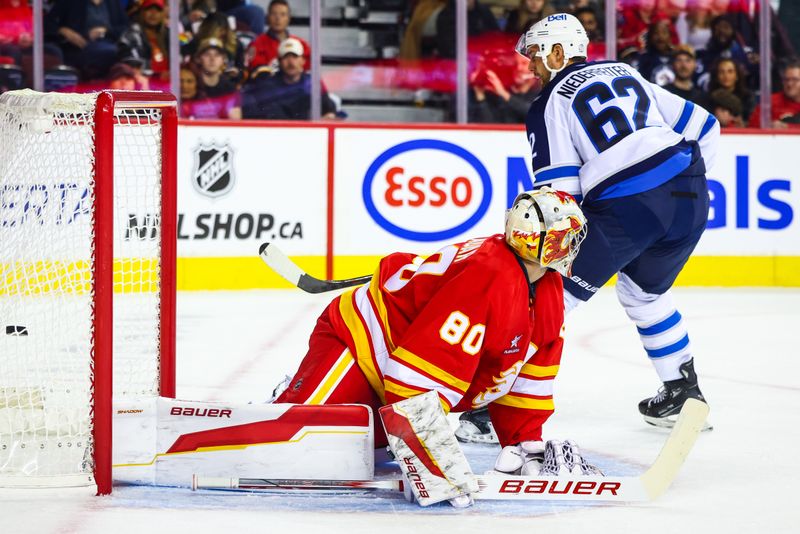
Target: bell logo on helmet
558,29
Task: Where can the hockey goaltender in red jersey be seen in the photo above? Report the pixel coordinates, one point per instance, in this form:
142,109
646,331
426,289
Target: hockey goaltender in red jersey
479,322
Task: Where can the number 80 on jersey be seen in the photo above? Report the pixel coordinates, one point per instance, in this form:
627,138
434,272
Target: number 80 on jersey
456,329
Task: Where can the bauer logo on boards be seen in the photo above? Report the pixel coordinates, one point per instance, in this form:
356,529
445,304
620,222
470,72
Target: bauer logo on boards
212,172
427,190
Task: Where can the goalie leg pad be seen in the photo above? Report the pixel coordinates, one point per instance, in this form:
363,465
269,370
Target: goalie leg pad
160,441
427,451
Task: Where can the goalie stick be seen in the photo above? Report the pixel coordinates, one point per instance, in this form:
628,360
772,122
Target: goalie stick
646,487
281,264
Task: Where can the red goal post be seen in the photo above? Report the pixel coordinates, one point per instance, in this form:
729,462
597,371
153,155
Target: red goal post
87,275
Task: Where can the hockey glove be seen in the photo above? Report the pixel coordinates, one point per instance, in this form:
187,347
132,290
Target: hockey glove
565,458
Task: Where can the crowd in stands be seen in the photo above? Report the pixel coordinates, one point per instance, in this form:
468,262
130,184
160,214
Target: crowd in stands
706,51
238,59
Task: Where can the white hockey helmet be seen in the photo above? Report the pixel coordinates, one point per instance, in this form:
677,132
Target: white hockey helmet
561,28
546,226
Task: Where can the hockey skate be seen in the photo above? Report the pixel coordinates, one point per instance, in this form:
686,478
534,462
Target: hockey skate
663,409
282,386
476,427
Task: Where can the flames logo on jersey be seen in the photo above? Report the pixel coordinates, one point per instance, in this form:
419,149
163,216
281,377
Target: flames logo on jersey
502,385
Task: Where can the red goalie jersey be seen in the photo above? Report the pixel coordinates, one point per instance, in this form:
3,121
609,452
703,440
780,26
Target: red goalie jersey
464,322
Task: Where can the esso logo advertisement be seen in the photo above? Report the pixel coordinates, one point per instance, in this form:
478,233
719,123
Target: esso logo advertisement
427,190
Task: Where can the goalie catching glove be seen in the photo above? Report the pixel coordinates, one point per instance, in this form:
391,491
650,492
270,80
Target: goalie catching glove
537,458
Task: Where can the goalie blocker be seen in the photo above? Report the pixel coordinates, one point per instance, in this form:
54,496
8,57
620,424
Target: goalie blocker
433,465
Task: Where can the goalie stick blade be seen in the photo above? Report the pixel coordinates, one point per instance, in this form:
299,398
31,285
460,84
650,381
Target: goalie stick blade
286,268
680,441
280,263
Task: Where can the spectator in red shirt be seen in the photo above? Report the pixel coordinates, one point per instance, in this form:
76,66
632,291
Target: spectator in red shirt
492,102
634,18
786,103
16,36
16,23
264,50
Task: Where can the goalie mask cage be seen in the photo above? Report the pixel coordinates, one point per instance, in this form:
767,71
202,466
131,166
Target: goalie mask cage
87,275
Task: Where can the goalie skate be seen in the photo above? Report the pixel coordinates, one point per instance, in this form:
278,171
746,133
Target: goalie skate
279,388
476,427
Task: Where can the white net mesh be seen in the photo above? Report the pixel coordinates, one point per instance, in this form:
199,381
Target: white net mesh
47,199
137,242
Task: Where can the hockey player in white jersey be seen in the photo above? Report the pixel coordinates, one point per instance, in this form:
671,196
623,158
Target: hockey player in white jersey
636,155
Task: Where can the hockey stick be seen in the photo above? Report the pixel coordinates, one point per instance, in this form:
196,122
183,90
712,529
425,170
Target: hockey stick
246,484
281,264
648,486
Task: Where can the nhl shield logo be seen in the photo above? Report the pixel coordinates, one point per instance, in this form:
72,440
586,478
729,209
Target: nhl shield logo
213,170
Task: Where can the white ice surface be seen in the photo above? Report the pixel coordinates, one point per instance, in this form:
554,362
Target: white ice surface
739,478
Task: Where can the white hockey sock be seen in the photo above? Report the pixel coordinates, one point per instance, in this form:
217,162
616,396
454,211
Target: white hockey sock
661,328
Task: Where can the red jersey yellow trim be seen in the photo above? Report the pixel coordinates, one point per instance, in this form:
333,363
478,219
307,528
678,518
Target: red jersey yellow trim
383,316
406,391
519,401
364,354
440,375
332,379
539,371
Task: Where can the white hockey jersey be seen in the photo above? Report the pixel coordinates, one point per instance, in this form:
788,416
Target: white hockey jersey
600,130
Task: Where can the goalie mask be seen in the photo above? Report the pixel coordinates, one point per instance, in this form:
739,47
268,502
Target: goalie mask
546,227
561,28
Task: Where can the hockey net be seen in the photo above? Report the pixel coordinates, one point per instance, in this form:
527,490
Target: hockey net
87,253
